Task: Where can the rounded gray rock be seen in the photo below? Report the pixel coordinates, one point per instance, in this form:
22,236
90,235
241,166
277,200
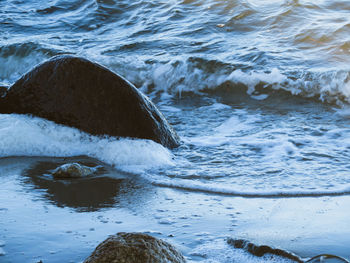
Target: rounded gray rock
73,170
135,248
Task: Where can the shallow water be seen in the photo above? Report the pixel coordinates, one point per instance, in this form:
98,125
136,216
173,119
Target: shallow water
63,220
257,90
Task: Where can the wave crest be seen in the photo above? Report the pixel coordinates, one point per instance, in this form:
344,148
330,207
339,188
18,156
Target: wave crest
32,136
177,77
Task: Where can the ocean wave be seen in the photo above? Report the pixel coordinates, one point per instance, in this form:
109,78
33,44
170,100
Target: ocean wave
230,190
200,76
18,58
256,38
23,135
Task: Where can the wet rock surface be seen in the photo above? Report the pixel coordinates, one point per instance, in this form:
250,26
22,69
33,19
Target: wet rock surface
260,251
135,248
3,90
73,170
77,92
104,189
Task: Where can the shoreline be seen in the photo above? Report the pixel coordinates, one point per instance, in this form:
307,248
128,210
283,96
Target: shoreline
49,220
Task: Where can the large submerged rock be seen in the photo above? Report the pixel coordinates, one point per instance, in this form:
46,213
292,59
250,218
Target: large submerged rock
135,248
77,92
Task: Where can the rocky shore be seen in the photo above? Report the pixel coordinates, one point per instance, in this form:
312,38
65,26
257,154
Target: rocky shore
76,92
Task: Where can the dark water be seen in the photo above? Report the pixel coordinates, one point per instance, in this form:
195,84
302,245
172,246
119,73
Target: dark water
257,90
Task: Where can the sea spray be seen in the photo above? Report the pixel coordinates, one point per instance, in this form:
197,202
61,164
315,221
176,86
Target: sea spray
32,136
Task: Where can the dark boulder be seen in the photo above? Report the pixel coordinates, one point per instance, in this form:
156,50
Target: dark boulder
77,92
135,248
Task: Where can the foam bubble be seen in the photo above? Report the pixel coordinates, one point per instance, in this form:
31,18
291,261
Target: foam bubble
32,136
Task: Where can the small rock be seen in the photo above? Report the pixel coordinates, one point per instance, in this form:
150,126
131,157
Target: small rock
73,170
135,248
260,251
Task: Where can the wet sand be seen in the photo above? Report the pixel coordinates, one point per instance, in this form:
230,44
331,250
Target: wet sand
64,220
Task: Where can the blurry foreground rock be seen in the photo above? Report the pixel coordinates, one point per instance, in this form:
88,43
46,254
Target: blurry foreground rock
260,251
73,170
263,250
135,248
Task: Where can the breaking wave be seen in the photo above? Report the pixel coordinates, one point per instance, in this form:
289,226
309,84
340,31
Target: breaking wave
32,136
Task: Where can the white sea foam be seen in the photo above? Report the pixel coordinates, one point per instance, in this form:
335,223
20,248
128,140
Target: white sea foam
233,124
216,107
169,108
226,132
18,58
273,148
238,190
180,75
344,112
23,135
246,155
251,79
222,134
13,66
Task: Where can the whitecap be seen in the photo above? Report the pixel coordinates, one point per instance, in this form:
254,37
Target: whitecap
23,135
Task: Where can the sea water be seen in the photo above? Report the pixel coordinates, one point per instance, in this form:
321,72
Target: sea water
258,91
